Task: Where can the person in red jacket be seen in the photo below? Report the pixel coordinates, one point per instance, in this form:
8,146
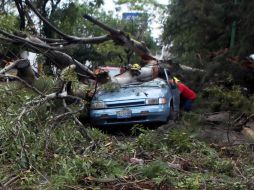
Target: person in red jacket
187,96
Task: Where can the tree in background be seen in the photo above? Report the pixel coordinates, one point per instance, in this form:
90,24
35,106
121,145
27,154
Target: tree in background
201,27
8,22
215,35
197,27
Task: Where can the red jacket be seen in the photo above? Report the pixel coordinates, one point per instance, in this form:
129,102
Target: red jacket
186,92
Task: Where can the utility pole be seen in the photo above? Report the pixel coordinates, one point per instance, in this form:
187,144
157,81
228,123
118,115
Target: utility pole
233,31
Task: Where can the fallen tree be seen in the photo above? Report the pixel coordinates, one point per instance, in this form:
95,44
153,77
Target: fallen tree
54,50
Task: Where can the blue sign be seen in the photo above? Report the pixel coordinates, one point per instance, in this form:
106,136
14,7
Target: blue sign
131,15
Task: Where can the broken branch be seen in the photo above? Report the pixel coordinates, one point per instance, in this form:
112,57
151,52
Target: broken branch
120,36
69,38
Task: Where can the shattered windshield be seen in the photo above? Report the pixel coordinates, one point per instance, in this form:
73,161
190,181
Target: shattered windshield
154,83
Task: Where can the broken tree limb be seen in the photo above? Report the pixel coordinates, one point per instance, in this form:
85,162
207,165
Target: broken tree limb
51,40
51,48
218,117
102,25
7,39
67,60
9,67
123,38
60,59
24,82
94,40
81,128
68,38
65,36
24,71
23,40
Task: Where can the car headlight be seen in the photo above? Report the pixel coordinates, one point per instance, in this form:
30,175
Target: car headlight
152,101
156,101
163,100
98,105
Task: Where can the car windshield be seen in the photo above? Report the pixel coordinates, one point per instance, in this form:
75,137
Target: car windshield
153,83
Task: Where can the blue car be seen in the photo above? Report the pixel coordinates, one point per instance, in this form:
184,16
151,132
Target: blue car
135,103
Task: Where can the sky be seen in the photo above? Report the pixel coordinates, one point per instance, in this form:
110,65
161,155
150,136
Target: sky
109,4
156,26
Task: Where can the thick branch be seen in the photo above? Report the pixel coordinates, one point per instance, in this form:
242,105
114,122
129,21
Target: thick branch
69,38
20,39
52,96
9,67
60,59
46,21
51,40
102,25
66,60
21,14
120,36
80,126
7,39
64,43
24,82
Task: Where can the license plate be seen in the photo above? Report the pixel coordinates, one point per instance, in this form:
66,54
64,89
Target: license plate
123,114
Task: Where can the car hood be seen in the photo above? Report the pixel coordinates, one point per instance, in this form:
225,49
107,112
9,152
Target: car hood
131,92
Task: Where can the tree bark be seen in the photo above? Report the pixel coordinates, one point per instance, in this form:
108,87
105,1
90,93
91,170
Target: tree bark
20,7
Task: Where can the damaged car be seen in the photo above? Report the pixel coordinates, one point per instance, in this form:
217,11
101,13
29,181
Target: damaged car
133,103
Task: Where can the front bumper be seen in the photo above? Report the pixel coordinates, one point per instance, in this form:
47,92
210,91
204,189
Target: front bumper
140,114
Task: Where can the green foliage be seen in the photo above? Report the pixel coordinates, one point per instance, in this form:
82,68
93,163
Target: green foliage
113,55
46,84
155,169
180,141
69,74
199,27
69,19
193,182
110,87
146,140
8,22
221,98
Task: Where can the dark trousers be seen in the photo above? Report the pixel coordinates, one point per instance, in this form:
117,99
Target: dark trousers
186,104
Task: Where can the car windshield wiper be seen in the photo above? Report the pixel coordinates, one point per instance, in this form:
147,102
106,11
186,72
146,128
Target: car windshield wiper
132,84
150,86
138,85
